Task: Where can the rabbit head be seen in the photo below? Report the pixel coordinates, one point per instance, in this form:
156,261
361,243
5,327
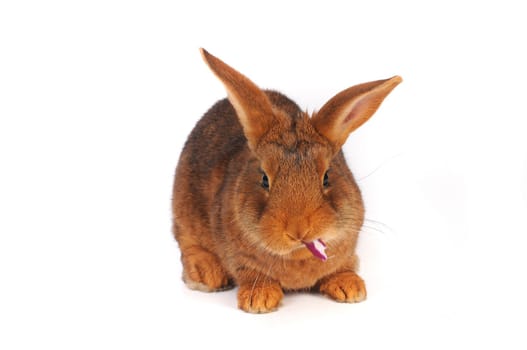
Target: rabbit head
294,186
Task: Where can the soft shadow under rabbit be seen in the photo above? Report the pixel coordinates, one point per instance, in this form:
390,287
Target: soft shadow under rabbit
263,197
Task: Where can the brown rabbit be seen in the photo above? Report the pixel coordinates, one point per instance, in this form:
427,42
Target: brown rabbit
263,197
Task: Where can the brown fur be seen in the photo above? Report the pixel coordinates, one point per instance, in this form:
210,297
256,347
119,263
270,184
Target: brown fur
231,230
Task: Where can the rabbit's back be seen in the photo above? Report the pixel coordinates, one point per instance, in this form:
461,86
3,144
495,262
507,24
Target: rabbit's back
218,136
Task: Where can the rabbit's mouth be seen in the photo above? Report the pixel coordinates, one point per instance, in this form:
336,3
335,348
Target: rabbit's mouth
317,248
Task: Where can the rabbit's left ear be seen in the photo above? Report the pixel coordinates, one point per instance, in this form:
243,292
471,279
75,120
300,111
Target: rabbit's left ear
351,108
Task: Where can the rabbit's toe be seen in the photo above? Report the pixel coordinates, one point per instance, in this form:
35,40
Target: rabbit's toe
345,287
259,298
203,271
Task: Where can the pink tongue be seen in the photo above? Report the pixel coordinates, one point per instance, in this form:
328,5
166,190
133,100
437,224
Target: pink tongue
317,248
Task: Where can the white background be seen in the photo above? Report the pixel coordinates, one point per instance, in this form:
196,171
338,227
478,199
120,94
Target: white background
97,98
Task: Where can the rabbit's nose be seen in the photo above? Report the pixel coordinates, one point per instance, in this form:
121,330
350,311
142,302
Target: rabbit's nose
297,229
296,236
303,235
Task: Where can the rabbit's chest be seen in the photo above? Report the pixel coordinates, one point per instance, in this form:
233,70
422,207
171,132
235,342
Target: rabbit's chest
302,274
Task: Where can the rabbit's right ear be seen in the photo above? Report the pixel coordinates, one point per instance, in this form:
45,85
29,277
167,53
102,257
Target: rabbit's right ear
251,104
351,108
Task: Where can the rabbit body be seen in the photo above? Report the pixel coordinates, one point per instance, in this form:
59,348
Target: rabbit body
257,180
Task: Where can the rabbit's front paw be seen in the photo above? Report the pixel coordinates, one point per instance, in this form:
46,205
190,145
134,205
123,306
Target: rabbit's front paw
259,298
345,287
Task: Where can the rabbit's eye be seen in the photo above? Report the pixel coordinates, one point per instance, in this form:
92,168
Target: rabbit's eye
325,182
265,181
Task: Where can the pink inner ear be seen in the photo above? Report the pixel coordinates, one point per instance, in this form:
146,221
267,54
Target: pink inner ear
362,110
355,110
